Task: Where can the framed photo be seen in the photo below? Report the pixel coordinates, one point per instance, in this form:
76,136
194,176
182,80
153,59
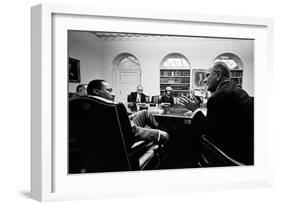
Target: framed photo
50,179
198,76
74,70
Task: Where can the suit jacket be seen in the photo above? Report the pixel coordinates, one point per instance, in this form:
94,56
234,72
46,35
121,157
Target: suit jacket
133,97
230,122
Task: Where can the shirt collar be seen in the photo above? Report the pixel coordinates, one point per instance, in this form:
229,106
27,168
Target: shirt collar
223,82
101,98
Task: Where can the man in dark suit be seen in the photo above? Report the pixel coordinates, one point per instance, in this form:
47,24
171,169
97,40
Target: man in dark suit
230,115
137,96
101,89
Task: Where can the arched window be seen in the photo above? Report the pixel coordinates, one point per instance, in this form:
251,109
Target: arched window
175,72
235,66
126,61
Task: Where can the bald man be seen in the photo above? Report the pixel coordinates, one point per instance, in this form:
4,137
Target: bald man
138,96
230,115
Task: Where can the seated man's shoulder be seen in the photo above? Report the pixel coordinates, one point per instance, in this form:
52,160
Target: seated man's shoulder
223,94
101,99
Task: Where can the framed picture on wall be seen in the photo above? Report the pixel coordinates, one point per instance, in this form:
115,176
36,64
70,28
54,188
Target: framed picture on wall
50,179
198,76
73,70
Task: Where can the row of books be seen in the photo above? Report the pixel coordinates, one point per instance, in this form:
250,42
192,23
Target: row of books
174,80
237,80
172,73
236,73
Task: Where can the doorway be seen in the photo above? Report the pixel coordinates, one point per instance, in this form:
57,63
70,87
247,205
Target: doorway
127,75
126,82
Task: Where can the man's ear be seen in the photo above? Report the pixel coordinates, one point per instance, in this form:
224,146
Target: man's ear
219,75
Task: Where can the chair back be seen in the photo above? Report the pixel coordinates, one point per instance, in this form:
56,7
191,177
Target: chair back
212,156
147,99
95,124
129,98
75,160
70,94
155,99
198,122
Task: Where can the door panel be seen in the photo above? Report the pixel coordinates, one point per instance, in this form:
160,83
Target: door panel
127,82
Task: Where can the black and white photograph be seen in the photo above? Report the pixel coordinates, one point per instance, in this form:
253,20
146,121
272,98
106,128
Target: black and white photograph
146,101
137,107
198,76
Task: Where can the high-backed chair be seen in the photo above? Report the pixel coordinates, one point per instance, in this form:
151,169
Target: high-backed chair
206,152
196,132
104,136
75,161
155,99
70,94
147,99
129,99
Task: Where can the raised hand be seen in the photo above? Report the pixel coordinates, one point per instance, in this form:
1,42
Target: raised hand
188,103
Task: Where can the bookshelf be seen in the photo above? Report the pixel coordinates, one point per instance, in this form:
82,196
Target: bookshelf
237,77
178,79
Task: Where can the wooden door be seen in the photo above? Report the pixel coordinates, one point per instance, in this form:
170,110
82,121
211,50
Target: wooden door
127,82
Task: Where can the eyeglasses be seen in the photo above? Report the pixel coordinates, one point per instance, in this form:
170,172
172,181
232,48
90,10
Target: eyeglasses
209,73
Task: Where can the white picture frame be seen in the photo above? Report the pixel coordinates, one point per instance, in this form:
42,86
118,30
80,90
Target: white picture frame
49,179
198,76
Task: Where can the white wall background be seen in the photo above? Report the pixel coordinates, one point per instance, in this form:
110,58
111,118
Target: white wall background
15,102
200,52
87,49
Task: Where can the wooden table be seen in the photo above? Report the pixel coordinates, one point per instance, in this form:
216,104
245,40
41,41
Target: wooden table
171,119
176,121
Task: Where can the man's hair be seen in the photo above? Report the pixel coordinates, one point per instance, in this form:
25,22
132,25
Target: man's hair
80,86
223,68
94,84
